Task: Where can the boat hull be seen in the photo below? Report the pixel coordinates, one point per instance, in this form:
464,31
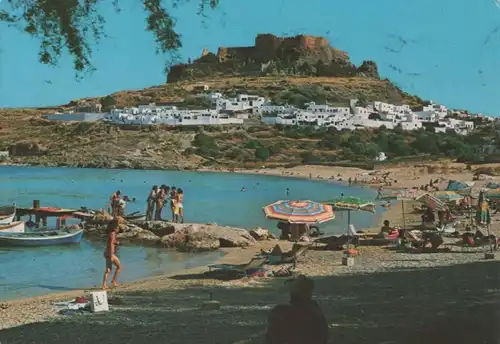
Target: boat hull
43,238
13,227
135,217
7,219
7,210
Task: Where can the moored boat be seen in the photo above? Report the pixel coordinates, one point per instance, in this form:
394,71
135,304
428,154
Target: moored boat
137,217
13,227
7,210
42,238
7,219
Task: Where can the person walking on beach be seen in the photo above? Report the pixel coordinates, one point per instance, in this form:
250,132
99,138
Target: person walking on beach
180,205
151,203
110,254
115,202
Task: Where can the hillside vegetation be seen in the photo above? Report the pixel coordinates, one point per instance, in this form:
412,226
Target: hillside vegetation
284,89
34,140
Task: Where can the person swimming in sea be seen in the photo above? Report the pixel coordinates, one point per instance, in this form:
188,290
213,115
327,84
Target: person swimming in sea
243,189
287,192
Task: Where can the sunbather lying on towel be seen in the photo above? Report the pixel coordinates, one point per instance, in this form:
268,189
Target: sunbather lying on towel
478,239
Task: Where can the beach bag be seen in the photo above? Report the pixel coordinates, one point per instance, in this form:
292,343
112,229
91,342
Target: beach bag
99,301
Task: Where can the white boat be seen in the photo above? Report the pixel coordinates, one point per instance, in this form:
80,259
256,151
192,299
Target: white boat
7,219
14,227
7,214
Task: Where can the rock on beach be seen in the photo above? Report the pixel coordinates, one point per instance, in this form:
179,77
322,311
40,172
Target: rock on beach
183,237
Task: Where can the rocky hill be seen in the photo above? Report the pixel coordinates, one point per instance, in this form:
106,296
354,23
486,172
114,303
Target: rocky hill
271,55
292,70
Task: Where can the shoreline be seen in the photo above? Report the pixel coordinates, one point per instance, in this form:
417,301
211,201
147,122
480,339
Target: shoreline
23,308
299,172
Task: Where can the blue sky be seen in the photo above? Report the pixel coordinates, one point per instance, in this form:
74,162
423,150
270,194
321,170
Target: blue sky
446,46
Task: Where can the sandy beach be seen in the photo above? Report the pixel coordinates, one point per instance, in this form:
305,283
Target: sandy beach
386,297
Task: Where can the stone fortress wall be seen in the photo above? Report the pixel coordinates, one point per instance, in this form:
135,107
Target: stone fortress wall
267,46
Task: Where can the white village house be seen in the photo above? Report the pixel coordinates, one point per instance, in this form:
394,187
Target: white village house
236,110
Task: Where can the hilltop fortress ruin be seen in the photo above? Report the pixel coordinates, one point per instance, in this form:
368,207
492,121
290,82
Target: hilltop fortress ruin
298,55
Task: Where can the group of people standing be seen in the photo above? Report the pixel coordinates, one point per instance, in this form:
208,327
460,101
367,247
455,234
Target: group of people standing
160,197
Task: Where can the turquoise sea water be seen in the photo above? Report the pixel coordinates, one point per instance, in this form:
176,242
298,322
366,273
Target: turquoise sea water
209,198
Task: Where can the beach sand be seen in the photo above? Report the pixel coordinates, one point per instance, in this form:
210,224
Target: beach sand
386,297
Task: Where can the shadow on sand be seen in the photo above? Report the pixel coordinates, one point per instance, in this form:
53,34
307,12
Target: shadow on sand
454,304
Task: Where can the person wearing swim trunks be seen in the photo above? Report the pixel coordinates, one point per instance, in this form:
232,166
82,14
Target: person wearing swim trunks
110,254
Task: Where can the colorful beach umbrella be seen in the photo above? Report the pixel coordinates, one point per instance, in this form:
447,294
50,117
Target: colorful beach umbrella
307,212
432,201
456,185
447,196
351,203
459,187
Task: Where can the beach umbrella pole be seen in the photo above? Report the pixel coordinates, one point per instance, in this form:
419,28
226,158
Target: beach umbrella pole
403,210
348,224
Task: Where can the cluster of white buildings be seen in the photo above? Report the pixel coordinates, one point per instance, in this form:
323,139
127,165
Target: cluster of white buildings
373,115
222,111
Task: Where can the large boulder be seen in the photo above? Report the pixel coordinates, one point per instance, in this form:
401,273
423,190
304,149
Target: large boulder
206,237
159,228
99,219
184,237
128,232
261,234
185,241
136,234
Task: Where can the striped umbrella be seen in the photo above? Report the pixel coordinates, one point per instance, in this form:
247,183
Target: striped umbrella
351,204
307,212
432,201
447,196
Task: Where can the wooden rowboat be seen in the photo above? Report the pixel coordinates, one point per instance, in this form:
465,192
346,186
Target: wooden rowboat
13,227
42,238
